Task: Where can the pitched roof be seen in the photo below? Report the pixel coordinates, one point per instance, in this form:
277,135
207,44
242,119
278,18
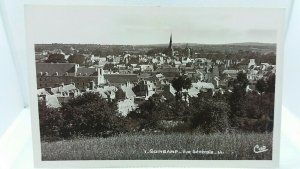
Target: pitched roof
110,88
65,88
170,75
52,101
128,91
230,71
121,78
168,69
145,75
42,92
87,71
120,94
125,106
52,68
169,72
205,85
101,91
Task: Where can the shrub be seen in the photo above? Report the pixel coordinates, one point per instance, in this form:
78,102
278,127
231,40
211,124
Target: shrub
90,115
209,115
51,122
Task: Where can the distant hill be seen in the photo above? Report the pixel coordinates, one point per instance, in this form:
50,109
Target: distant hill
231,47
115,49
199,44
253,44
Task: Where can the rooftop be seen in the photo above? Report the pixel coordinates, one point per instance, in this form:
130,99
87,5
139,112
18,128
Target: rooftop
121,78
53,68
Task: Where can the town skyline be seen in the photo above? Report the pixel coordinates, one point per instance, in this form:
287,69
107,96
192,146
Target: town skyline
153,44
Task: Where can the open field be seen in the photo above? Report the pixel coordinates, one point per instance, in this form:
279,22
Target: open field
161,146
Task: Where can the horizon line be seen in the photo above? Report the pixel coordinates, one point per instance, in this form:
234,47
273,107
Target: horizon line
120,44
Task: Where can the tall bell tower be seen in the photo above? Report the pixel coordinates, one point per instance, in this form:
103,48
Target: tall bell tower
170,50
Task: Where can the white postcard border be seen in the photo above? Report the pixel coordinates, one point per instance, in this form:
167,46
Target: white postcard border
31,36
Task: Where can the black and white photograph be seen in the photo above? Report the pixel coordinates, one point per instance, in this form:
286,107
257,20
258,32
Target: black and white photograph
156,83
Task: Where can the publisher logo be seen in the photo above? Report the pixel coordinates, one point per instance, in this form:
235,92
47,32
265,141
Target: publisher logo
259,149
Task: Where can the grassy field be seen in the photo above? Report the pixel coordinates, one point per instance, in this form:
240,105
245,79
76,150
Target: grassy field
161,146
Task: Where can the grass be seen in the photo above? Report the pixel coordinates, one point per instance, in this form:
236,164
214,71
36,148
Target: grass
133,147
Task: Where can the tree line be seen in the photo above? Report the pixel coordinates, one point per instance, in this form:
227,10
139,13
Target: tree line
91,115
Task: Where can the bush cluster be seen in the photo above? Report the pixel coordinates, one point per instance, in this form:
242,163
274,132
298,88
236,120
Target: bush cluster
91,115
85,115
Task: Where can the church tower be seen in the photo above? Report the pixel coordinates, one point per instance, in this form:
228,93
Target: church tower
170,50
187,51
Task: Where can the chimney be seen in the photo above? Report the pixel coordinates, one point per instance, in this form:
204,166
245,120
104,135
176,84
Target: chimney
48,89
101,79
71,94
43,97
91,85
147,93
76,67
100,71
61,87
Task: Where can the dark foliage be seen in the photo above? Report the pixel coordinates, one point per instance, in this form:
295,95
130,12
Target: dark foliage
261,86
271,83
86,115
90,115
253,111
210,113
75,58
110,67
179,83
51,122
237,97
56,58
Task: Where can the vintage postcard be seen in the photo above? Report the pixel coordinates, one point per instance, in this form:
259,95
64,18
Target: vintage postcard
151,86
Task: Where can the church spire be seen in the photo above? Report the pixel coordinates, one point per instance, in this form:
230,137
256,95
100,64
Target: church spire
170,43
170,48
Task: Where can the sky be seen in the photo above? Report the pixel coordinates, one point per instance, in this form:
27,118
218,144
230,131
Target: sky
153,25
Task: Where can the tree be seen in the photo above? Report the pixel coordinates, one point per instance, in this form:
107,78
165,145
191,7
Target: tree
261,86
76,58
237,98
97,52
151,112
154,110
91,115
51,121
56,58
187,83
109,66
271,83
259,111
179,83
209,114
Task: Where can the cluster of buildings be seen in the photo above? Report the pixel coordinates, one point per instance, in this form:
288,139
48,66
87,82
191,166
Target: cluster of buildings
131,79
